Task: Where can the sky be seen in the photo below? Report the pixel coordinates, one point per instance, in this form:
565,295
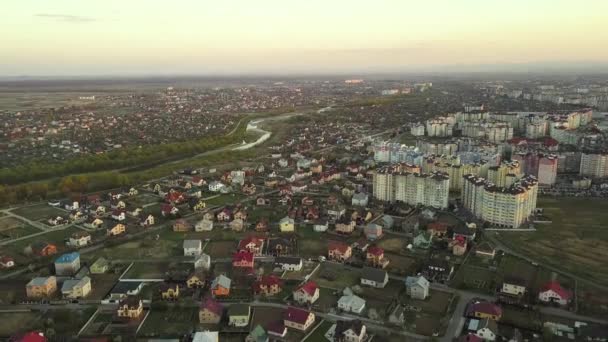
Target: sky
203,37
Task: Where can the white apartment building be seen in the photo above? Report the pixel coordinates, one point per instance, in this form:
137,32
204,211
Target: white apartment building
417,130
547,169
428,189
594,165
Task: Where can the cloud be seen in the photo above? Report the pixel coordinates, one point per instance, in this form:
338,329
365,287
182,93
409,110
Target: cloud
68,18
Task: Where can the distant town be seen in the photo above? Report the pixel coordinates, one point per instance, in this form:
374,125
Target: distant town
351,209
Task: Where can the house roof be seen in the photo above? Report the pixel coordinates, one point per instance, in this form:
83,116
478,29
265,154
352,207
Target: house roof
438,226
67,258
239,310
251,239
241,256
213,306
375,274
69,284
192,244
352,301
222,281
420,281
339,246
39,281
288,260
269,280
556,287
258,334
342,326
296,315
310,288
375,250
276,328
131,301
484,307
470,338
33,336
122,287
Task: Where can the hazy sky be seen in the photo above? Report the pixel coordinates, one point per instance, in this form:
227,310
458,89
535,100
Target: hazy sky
93,37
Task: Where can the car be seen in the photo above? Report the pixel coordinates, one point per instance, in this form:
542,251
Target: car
54,203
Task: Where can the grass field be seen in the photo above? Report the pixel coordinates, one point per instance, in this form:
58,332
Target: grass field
318,335
342,277
220,249
312,248
56,237
576,241
39,212
170,323
140,249
14,322
153,270
393,244
475,278
11,228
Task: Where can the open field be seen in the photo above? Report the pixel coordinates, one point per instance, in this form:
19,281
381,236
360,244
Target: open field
12,291
11,323
11,228
392,244
139,249
153,270
335,276
220,249
475,278
17,101
401,264
39,212
171,322
318,335
312,248
56,237
576,241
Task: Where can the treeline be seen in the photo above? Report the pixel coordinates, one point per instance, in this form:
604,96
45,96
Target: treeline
123,158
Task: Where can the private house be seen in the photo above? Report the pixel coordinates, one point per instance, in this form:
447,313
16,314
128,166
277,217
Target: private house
57,221
238,315
41,287
345,225
130,307
486,329
360,199
198,181
93,223
80,239
119,215
204,225
210,312
423,240
308,201
312,214
513,286
485,250
258,334
6,262
437,229
216,186
298,319
248,188
279,246
320,226
334,212
123,289
44,249
169,291
146,220
182,225
202,261
417,287
76,288
192,247
307,293
269,285
276,329
237,225
347,330
262,201
553,292
252,244
339,251
372,231
118,229
100,266
374,277
167,210
262,225
136,212
224,215
484,309
375,257
220,287
438,270
387,222
175,197
197,279
286,225
100,210
243,259
351,303
67,264
289,263
198,205
459,246
241,214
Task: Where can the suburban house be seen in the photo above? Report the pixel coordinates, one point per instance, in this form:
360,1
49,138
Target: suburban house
339,251
458,245
334,212
484,309
351,331
80,239
182,225
485,250
360,199
438,270
289,263
199,205
118,229
130,307
320,226
276,329
44,249
210,312
242,259
351,303
307,293
119,215
220,287
298,319
513,286
100,266
258,334
76,288
262,225
202,261
168,210
486,329
197,279
204,225
372,231
248,188
123,289
417,287
252,244
423,240
41,287
67,264
553,292
374,277
268,285
374,256
192,247
286,224
169,291
93,223
345,225
224,215
238,315
279,246
146,220
437,229
241,214
6,262
387,222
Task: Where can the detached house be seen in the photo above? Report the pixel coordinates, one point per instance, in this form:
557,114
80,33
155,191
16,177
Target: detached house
220,287
252,244
67,264
298,319
146,220
237,225
307,293
93,223
192,247
345,225
417,287
262,225
243,259
268,286
339,251
168,210
351,331
238,315
484,309
372,231
374,277
6,262
182,225
80,239
287,225
553,292
169,291
513,286
351,303
116,230
224,215
41,287
210,312
197,279
130,307
204,225
44,249
375,257
119,215
76,288
289,263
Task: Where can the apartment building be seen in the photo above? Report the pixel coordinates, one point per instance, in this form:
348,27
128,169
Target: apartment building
594,165
429,189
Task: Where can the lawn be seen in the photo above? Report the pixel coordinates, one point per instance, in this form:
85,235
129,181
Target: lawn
318,335
575,241
39,212
12,291
401,264
435,304
146,248
335,276
328,298
57,237
224,199
173,322
14,322
475,278
312,248
11,228
220,249
393,244
153,270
